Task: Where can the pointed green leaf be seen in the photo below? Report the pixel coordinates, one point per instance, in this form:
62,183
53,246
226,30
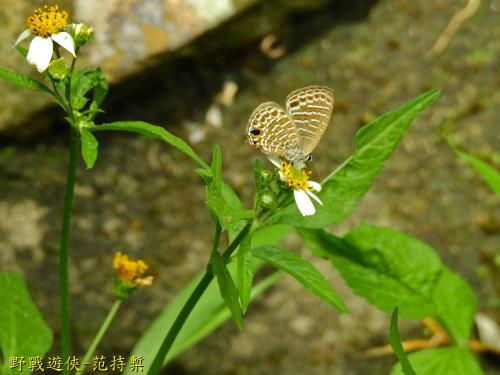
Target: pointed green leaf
303,271
456,306
443,361
270,235
89,146
81,84
239,215
227,288
486,171
221,199
384,266
204,174
344,188
397,346
23,333
155,132
23,51
230,217
24,81
389,268
245,271
216,167
209,313
100,89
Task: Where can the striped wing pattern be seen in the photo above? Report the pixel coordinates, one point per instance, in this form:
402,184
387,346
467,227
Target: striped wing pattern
311,109
272,130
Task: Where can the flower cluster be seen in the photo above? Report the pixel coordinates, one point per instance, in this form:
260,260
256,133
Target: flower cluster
46,26
298,180
129,275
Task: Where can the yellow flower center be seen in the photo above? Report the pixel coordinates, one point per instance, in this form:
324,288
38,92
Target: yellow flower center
130,271
48,21
295,178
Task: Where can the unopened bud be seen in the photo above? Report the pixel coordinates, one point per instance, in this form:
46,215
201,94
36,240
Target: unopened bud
81,33
267,199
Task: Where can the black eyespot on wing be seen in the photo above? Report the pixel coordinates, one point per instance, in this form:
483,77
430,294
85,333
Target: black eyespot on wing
255,132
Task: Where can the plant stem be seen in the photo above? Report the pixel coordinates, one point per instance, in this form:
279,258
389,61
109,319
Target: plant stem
102,330
68,88
192,301
58,97
63,255
218,231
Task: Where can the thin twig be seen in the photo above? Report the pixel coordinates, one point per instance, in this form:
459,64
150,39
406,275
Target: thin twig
456,21
439,338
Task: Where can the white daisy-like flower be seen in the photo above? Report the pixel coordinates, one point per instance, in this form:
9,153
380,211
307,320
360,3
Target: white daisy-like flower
298,180
47,26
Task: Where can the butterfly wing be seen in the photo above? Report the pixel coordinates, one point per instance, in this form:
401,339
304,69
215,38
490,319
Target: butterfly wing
311,109
272,130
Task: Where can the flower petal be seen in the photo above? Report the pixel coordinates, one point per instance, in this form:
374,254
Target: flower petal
282,176
26,33
314,185
66,41
40,53
313,196
303,202
275,160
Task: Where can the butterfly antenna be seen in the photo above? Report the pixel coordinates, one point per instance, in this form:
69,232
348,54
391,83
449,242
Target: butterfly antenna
317,171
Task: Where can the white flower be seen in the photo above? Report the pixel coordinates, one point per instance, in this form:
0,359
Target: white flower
47,27
298,180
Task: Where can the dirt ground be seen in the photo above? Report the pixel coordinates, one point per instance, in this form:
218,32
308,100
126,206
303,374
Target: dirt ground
144,199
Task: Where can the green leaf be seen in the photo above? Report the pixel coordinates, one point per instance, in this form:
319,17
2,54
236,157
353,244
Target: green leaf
442,361
209,313
344,188
302,271
155,132
205,175
227,288
386,267
24,81
89,147
389,268
23,51
456,306
84,81
486,171
270,235
23,333
245,271
397,346
100,89
229,216
223,201
238,216
216,167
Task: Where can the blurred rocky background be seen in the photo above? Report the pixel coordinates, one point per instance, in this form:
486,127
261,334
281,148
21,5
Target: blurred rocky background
199,68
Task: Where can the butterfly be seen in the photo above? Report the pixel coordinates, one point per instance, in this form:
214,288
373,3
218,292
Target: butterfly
293,133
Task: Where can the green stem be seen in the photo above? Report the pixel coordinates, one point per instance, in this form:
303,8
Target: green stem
192,301
58,97
68,88
63,255
98,337
218,231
